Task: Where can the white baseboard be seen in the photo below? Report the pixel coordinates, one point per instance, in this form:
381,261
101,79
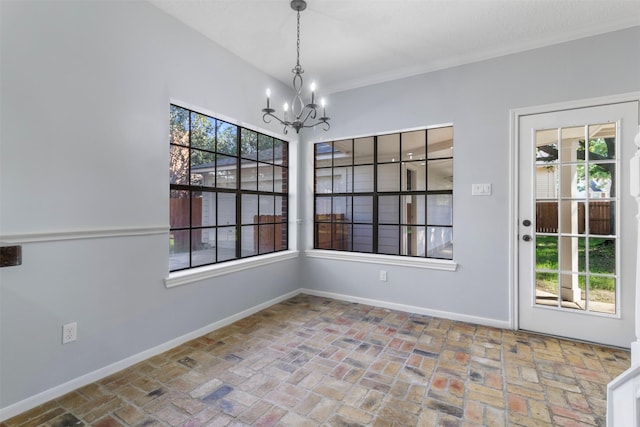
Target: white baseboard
502,324
55,392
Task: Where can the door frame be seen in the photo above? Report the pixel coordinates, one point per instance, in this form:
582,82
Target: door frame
514,180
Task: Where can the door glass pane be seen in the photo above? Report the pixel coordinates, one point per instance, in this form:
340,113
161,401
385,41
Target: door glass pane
573,217
572,144
546,216
568,247
546,253
602,256
602,296
547,286
547,146
573,181
547,175
602,218
576,268
602,141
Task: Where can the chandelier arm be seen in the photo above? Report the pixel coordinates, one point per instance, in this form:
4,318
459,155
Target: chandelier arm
323,121
269,114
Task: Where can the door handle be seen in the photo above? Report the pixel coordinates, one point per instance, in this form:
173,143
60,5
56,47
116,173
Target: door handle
526,223
526,238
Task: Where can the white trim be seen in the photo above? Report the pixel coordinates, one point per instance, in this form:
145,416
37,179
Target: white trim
631,375
184,277
514,142
55,236
400,261
62,389
411,309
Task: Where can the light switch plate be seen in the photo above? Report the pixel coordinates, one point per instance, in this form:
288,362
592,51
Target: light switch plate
480,189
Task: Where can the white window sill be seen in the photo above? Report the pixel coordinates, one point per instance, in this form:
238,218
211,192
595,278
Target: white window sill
184,277
401,261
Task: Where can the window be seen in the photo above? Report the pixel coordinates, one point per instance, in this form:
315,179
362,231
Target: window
228,188
388,194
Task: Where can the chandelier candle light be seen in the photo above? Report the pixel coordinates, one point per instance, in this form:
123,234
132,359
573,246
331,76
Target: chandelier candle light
300,112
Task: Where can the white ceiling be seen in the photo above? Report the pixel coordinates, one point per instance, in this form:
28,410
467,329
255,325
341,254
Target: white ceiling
351,43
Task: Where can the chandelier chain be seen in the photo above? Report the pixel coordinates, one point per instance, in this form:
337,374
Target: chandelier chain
298,44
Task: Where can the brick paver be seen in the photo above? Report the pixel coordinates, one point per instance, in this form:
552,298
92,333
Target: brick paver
313,361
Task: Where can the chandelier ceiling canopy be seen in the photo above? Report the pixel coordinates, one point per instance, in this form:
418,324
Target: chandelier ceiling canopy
299,114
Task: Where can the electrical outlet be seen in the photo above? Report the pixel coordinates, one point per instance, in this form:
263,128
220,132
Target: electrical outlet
69,332
383,276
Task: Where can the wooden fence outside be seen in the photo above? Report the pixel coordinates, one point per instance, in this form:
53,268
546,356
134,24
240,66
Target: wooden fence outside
179,217
599,217
332,232
267,234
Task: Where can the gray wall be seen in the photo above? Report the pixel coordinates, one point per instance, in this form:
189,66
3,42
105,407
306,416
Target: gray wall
84,148
476,98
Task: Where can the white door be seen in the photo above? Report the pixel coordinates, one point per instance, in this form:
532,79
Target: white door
576,223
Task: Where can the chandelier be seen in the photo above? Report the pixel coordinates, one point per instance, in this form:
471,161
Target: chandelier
299,115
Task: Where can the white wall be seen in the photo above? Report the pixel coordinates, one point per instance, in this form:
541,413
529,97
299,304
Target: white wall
85,99
476,98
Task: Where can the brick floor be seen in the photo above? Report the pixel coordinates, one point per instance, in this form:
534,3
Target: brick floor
312,361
